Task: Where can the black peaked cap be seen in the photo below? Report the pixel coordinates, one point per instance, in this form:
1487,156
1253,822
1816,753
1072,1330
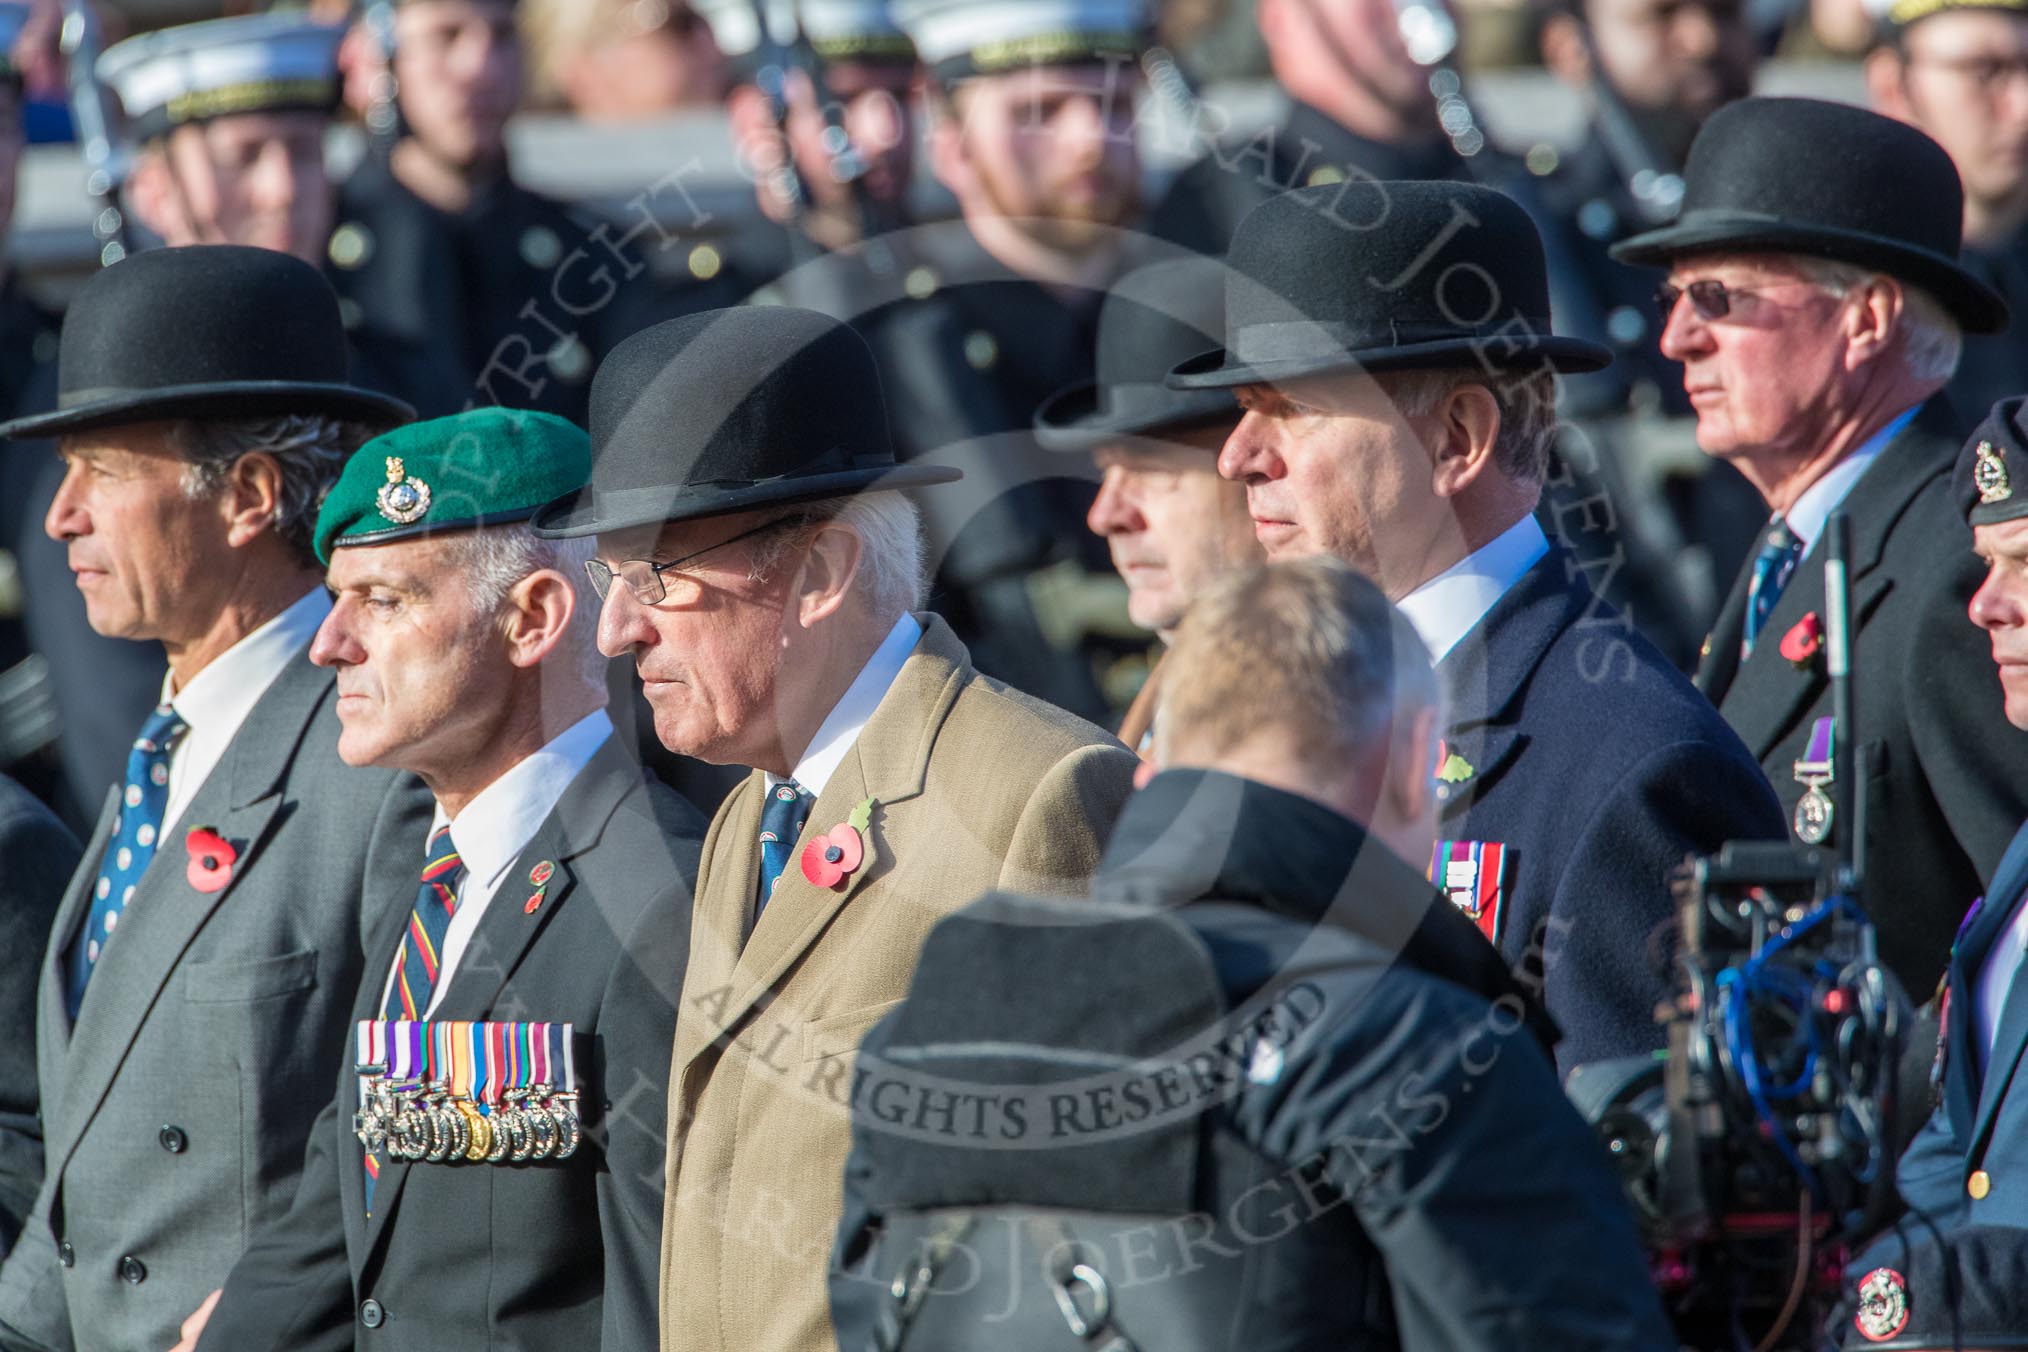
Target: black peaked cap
729,410
1831,181
1383,276
204,331
1153,318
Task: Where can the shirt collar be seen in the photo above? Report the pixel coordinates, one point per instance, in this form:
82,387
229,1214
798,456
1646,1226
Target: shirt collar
503,817
225,692
1449,605
836,735
1813,508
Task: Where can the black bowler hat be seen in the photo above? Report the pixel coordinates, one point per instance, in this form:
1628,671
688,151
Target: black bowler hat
1382,276
1153,318
1831,181
207,331
728,410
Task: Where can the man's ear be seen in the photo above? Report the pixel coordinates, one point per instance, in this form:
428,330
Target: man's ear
151,191
537,616
825,579
1871,321
1413,767
949,159
1886,86
1565,52
1464,430
252,500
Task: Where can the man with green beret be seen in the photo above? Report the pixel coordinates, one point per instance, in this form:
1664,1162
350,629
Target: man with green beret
489,1172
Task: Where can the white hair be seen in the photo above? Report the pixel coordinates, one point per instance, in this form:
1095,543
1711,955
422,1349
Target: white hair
893,560
493,559
1932,341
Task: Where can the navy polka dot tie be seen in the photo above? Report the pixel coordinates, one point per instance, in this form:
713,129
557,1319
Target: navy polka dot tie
133,844
788,807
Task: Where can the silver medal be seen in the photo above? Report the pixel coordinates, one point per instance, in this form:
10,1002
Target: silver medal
1813,816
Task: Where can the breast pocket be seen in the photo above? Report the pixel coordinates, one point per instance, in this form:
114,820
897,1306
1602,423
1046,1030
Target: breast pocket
237,982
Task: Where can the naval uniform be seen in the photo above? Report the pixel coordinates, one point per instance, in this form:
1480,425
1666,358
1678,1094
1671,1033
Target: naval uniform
482,306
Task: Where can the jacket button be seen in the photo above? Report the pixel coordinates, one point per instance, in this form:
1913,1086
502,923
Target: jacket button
173,1140
372,1314
133,1271
1979,1184
66,1255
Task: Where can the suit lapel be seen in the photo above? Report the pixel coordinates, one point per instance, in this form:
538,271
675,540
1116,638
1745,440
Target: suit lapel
71,913
1968,1091
1720,662
888,764
240,799
509,928
1767,693
1484,675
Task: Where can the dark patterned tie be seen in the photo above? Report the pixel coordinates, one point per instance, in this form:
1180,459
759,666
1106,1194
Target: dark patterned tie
142,802
422,948
1780,551
788,807
422,952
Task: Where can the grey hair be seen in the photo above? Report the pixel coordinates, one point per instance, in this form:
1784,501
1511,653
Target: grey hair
308,449
1307,648
893,557
1932,341
492,559
1527,405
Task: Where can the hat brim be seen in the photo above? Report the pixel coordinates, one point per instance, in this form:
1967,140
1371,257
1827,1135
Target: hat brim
1218,370
1071,420
223,399
592,513
1978,308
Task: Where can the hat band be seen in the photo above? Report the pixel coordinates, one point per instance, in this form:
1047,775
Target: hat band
1307,339
1138,401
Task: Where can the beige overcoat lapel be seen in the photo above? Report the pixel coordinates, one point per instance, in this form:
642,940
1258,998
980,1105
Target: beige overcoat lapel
889,764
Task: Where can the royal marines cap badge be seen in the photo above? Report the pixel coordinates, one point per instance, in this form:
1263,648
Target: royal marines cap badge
1989,474
1883,1305
403,499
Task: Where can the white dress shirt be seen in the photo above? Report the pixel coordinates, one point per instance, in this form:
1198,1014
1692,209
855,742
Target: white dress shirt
495,828
218,699
848,718
1451,604
1806,517
1996,978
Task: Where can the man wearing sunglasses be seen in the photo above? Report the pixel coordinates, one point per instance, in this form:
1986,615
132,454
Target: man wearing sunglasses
1817,318
761,565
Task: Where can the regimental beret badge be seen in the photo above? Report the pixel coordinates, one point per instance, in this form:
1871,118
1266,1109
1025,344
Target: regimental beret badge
402,499
1989,474
1883,1305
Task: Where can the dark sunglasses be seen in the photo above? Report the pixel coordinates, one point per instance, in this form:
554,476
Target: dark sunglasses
1708,298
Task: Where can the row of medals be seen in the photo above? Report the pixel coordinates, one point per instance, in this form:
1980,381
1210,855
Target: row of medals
424,1121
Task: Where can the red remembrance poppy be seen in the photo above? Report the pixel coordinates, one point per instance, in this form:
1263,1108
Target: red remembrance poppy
1802,643
829,860
211,859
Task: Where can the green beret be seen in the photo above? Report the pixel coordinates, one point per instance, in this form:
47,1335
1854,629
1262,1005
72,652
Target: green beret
483,467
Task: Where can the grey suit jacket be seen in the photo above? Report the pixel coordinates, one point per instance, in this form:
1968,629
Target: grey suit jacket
176,1111
37,855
